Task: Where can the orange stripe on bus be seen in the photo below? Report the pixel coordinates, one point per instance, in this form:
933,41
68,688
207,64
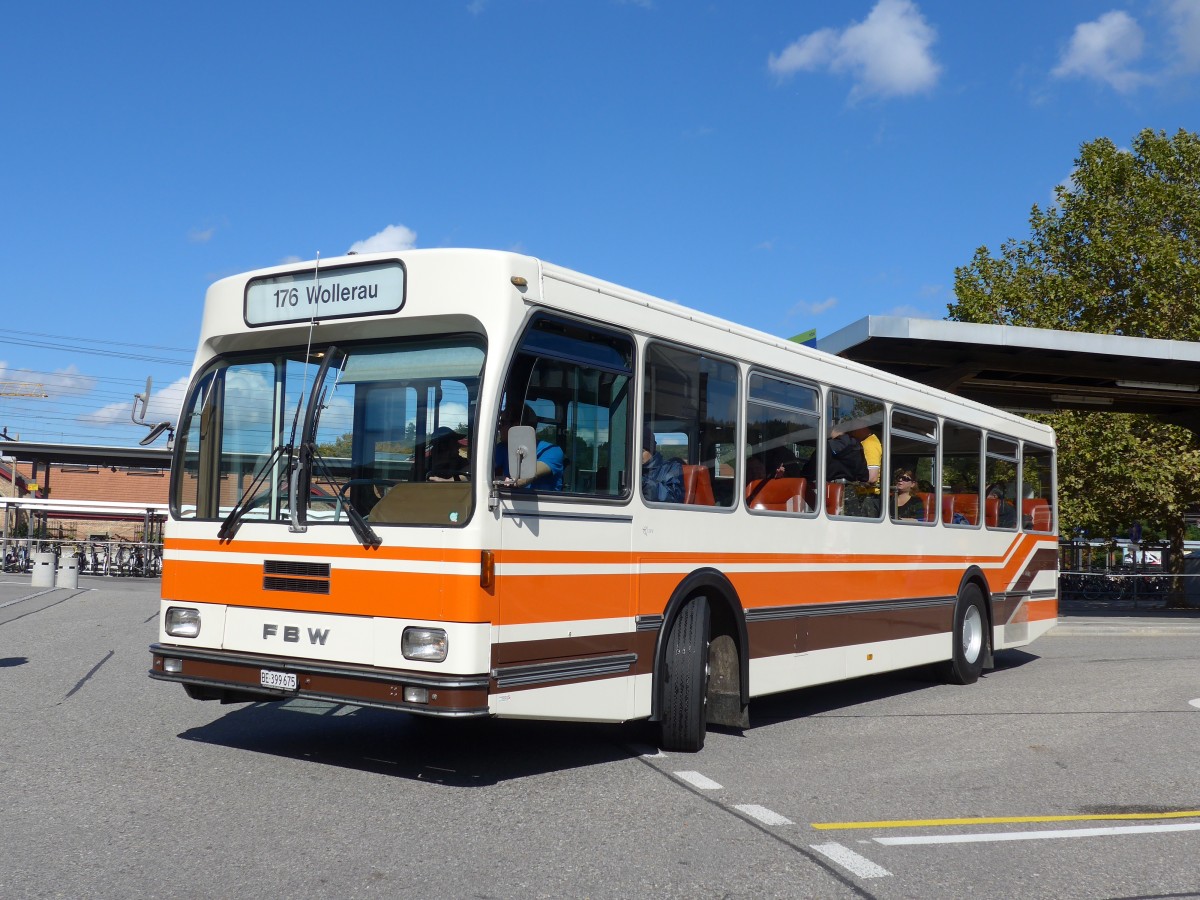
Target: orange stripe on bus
520,598
412,595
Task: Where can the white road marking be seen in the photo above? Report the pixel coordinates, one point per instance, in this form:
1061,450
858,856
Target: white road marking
848,859
764,815
1035,835
695,779
1195,703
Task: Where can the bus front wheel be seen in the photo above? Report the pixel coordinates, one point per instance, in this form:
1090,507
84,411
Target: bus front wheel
685,679
969,638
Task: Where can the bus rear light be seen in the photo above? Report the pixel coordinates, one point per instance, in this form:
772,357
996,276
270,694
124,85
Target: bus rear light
182,621
425,644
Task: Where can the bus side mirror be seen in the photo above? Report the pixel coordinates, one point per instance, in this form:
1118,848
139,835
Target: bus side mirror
522,452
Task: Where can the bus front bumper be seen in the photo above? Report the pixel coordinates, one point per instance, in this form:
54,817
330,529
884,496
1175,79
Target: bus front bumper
233,677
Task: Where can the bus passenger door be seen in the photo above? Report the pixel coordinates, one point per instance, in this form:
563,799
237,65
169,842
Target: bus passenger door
565,630
565,641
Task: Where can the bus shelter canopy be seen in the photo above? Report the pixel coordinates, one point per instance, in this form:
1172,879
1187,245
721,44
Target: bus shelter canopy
1030,370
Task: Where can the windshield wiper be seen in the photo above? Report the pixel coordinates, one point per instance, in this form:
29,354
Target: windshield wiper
308,455
230,525
365,533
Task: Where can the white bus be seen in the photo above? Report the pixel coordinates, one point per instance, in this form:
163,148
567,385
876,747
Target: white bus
356,515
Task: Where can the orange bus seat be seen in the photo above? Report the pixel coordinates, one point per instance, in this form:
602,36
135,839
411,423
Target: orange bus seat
697,486
991,512
834,494
930,505
780,494
1038,512
966,505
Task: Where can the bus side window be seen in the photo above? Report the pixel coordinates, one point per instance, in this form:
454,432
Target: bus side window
691,399
1000,478
914,446
854,453
576,379
962,449
1037,488
782,424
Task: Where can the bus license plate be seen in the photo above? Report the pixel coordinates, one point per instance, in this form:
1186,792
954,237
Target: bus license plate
284,681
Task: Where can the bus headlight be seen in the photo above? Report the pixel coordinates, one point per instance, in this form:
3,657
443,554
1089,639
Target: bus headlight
425,644
183,621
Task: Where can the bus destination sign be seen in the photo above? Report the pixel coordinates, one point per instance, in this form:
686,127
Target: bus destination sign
336,292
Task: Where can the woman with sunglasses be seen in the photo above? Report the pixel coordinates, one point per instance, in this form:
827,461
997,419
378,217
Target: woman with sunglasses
905,503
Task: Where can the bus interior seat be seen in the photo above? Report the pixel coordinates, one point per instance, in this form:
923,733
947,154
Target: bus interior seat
966,505
697,486
1037,511
779,494
930,502
991,512
834,494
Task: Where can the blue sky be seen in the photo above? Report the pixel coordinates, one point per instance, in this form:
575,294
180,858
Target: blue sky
786,165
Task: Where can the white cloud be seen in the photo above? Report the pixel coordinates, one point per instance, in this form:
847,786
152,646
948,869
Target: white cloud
806,308
394,237
66,382
164,407
888,54
1105,50
1183,26
201,235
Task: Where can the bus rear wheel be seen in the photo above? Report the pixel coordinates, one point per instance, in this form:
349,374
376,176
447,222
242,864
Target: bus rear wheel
969,637
685,679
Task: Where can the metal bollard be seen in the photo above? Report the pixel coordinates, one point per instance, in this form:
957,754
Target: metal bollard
68,571
43,568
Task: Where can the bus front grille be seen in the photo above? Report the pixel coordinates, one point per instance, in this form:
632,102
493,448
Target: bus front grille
296,576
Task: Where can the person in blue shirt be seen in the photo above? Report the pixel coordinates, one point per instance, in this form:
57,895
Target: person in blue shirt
550,459
662,479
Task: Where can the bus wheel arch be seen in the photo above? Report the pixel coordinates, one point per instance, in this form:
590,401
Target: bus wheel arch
728,663
970,630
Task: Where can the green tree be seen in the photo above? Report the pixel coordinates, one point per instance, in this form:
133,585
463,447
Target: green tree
1119,254
338,448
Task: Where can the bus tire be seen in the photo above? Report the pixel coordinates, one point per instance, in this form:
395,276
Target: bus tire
685,679
969,637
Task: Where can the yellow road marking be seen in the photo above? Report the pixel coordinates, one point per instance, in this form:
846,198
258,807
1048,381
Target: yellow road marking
1003,820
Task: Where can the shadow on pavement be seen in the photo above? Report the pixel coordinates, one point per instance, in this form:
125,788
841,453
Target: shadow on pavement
457,753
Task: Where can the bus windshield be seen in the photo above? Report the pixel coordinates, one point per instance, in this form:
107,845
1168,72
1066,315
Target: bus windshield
395,420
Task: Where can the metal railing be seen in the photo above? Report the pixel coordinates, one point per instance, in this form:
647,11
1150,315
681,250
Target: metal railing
114,557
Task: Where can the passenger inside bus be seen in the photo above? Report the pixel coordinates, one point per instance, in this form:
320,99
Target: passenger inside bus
662,479
853,458
1000,511
550,459
447,461
905,502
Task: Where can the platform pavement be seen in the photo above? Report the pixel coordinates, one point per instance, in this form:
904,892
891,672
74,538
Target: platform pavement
14,588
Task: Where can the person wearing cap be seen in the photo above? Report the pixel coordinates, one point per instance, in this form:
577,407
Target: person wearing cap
445,461
662,479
